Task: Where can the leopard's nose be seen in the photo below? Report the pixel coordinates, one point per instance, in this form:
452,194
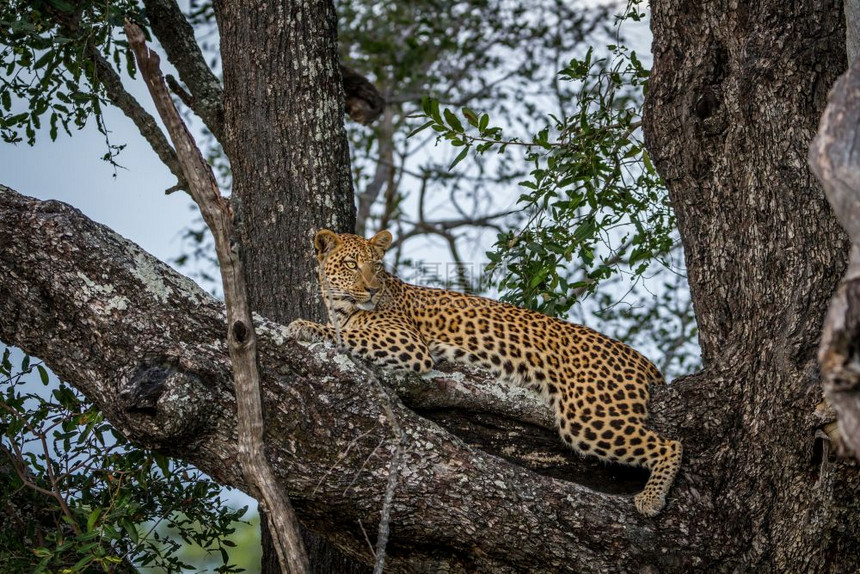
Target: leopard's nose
371,291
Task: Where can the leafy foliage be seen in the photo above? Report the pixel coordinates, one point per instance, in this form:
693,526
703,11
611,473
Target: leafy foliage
47,60
80,498
461,52
591,185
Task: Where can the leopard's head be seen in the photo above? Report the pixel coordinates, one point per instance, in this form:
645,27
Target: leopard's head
351,270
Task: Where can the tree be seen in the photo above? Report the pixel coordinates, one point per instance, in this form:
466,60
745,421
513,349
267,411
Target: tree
729,120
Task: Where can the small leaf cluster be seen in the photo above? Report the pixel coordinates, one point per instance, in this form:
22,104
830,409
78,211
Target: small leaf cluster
47,68
451,128
79,497
592,194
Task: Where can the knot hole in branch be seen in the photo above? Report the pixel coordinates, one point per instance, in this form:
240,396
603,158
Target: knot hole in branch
240,332
165,403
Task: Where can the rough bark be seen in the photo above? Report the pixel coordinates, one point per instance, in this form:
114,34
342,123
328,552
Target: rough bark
834,159
732,107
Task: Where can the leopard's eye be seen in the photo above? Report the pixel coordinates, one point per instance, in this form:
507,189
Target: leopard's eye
377,266
350,264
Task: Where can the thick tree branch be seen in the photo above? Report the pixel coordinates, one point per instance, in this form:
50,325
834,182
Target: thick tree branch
112,320
835,158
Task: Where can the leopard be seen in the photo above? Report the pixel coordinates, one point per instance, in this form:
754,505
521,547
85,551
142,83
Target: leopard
598,387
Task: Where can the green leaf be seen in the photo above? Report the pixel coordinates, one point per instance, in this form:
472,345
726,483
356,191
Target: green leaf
420,129
42,61
537,278
43,374
62,5
130,529
53,131
453,121
80,564
646,160
163,463
5,363
459,158
434,112
470,116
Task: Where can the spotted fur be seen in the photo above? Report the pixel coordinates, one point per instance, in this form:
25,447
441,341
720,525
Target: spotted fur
598,387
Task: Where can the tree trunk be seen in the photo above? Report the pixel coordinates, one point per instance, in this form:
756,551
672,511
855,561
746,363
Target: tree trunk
286,93
732,108
283,104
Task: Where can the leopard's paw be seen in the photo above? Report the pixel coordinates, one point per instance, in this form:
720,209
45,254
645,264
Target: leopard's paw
302,330
649,504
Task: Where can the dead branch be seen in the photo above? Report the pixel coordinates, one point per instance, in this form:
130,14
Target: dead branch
242,340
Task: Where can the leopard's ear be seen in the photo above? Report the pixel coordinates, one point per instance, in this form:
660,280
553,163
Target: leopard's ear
382,240
324,242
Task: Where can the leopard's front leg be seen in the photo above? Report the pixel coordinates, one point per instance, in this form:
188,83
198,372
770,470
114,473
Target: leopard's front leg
370,341
304,330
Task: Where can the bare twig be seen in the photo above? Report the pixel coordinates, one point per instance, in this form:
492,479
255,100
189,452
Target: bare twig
146,124
363,466
55,491
343,455
241,339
